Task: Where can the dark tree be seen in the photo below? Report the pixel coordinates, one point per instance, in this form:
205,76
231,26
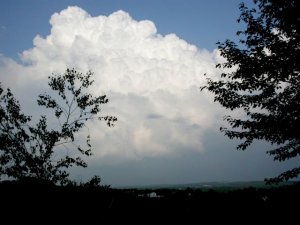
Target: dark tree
264,80
30,150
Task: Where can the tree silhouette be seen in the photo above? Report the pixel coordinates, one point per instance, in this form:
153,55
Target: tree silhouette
30,150
264,80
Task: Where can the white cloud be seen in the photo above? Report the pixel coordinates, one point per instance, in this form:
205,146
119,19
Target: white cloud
152,81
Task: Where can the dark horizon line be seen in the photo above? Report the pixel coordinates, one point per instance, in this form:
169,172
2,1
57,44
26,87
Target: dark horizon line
209,184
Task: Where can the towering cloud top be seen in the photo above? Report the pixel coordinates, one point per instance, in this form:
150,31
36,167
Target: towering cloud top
127,54
152,80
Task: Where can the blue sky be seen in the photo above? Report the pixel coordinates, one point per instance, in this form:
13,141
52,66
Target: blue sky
149,59
202,22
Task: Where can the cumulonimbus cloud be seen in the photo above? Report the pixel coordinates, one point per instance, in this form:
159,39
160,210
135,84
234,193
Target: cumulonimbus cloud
152,80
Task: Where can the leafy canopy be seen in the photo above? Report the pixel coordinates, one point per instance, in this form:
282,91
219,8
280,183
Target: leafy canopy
30,150
264,80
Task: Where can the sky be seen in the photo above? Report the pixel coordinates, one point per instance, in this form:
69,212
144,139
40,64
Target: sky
149,58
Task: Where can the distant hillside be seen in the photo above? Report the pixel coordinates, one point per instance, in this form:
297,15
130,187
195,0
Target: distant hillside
218,186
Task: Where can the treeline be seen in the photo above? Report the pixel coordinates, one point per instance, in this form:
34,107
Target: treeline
45,202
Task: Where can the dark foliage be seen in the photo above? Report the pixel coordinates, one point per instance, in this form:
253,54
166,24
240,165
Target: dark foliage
23,202
30,150
264,80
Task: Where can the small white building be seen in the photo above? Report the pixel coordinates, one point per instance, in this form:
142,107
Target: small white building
152,195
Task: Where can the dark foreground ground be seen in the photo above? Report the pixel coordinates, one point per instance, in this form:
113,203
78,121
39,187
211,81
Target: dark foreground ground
46,204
